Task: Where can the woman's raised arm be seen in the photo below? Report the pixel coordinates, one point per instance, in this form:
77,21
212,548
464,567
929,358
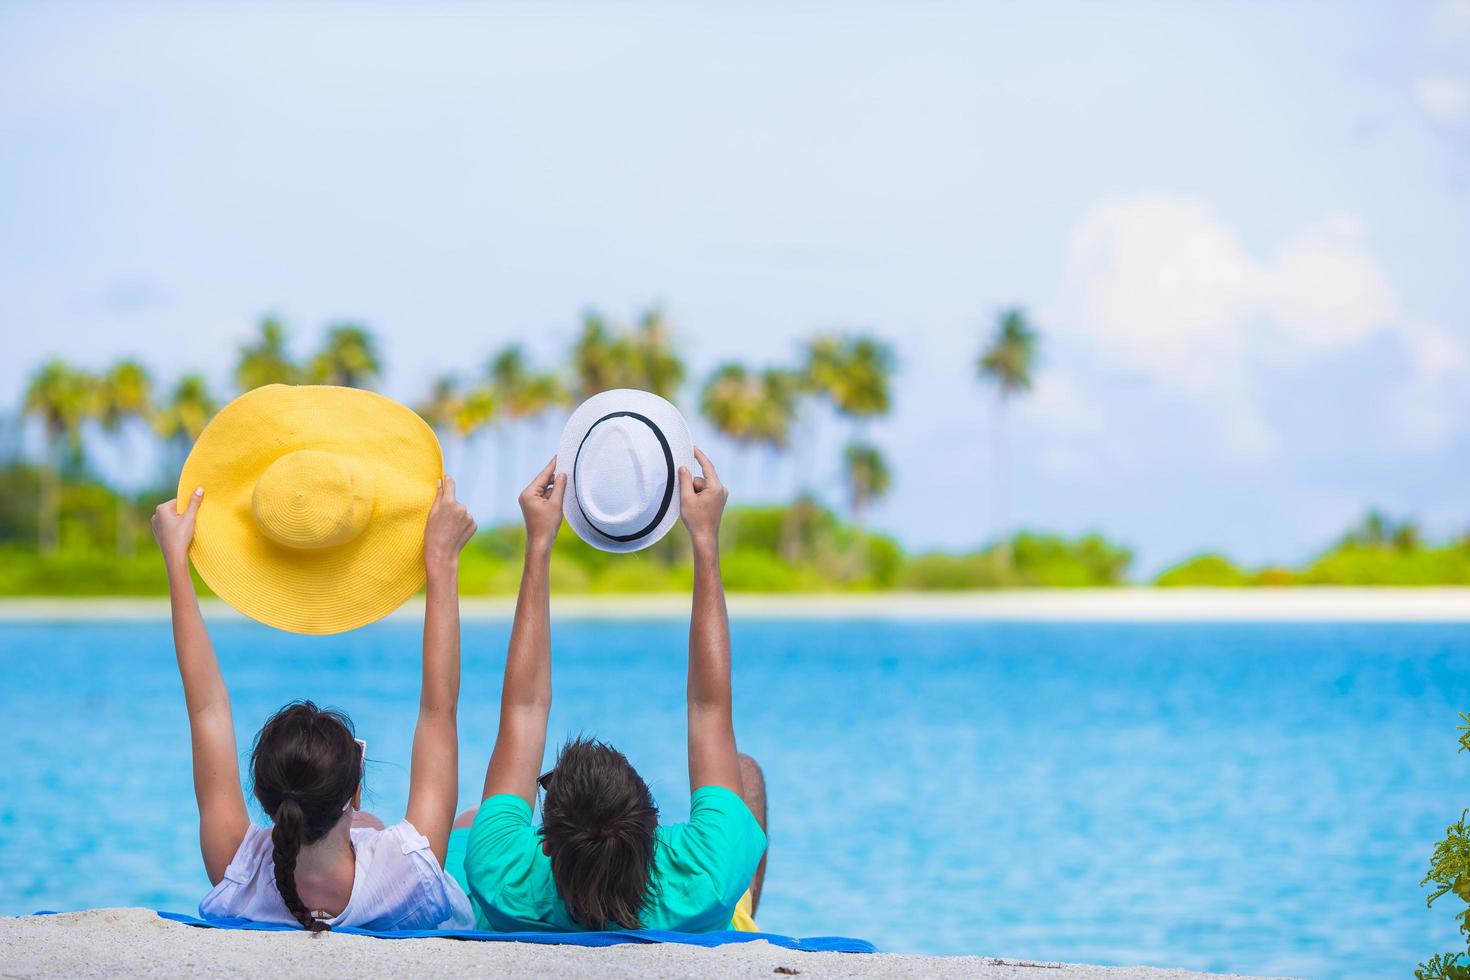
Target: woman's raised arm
222,817
433,790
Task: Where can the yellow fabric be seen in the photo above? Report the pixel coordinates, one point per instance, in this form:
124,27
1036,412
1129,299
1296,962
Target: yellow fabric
315,500
743,919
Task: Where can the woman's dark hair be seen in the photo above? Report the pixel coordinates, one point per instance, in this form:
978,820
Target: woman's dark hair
598,821
305,767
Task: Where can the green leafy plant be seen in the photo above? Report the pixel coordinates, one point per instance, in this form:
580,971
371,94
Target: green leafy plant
1449,871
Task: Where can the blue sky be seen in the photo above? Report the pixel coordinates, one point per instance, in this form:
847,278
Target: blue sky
1244,230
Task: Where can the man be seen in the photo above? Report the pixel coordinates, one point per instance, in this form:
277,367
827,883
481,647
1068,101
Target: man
600,860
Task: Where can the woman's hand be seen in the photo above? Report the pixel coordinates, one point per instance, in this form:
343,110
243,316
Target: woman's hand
449,529
702,501
174,531
541,508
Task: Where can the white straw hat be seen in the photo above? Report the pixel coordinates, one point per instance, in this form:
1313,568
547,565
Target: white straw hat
621,451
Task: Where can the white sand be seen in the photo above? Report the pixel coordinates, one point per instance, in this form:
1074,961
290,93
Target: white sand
137,943
1451,604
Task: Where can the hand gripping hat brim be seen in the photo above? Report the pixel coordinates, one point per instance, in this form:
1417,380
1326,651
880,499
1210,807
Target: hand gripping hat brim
315,502
621,451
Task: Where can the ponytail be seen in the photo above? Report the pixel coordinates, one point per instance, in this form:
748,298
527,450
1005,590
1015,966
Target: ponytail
286,845
306,769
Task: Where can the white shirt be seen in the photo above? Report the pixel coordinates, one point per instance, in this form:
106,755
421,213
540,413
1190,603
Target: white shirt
398,884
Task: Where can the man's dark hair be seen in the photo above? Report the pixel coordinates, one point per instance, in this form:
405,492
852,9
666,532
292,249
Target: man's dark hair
598,820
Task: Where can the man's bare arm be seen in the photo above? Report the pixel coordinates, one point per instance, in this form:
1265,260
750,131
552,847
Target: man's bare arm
713,760
525,696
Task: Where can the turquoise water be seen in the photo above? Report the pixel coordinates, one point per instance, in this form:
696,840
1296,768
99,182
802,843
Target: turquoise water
1252,798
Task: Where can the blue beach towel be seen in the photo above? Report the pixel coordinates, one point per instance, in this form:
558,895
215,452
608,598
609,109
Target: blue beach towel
814,944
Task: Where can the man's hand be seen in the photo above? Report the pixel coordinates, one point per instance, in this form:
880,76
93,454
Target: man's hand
175,531
702,501
449,529
541,508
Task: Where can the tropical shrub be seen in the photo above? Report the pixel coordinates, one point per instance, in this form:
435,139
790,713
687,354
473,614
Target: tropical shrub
1449,871
1211,570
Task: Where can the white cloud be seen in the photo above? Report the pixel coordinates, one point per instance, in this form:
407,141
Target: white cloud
1163,283
1429,405
1159,286
1325,289
1446,99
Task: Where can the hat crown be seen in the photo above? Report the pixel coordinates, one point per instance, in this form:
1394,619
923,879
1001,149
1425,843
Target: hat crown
621,475
311,499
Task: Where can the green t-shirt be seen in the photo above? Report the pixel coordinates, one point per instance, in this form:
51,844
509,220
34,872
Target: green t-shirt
700,868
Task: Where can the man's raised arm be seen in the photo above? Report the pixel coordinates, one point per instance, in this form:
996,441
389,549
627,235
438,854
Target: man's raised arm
713,760
525,697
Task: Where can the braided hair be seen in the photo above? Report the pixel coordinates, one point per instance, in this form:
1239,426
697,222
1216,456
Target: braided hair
305,768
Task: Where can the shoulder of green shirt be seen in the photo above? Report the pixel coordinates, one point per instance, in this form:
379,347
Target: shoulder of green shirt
727,836
502,824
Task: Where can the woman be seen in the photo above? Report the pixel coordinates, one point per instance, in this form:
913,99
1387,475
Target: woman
324,863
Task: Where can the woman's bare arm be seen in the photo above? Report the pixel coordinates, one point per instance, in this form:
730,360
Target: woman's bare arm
433,791
223,819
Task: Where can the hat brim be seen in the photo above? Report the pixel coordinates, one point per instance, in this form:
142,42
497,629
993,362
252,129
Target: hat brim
329,590
661,414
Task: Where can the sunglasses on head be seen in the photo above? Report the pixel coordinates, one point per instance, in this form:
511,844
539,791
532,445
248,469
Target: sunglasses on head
361,768
544,780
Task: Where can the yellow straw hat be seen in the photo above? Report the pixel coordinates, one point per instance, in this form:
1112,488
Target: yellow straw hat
315,501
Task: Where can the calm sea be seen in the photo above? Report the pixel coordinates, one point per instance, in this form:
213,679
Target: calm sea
1250,798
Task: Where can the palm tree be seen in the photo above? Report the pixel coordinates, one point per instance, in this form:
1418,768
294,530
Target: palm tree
125,395
728,401
775,409
824,364
348,357
521,395
658,367
443,401
439,411
868,477
1375,530
751,409
615,357
868,480
265,360
1407,536
508,373
599,358
851,372
61,397
189,408
543,392
475,409
509,379
1008,361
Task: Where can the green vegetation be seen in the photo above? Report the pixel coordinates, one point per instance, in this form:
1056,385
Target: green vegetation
1029,560
64,532
829,554
1449,871
1379,551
